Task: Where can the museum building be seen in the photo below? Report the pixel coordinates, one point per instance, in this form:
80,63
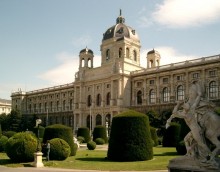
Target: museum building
119,84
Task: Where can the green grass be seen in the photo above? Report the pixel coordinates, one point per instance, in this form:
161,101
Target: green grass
95,160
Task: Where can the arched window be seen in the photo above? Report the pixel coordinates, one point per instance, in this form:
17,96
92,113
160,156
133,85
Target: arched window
120,53
213,90
63,120
108,97
152,96
180,93
127,52
89,101
88,123
30,108
135,55
107,54
98,119
58,104
51,106
151,63
83,63
98,100
40,107
64,104
139,97
70,121
45,106
165,95
71,104
89,63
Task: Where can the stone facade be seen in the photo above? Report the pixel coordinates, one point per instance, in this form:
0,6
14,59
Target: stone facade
120,83
5,106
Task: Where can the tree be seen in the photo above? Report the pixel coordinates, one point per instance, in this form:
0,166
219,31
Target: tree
15,120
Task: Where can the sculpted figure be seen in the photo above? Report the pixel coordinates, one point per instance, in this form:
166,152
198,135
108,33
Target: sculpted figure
203,122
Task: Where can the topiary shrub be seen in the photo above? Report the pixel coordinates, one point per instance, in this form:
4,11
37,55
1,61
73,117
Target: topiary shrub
9,133
3,141
133,141
81,139
59,149
91,145
41,131
171,135
84,132
181,148
21,147
100,132
59,131
99,141
75,148
154,136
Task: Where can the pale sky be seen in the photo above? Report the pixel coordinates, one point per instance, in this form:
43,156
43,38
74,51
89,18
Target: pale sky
40,40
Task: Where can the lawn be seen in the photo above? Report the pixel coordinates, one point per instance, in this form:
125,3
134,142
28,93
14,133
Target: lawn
95,160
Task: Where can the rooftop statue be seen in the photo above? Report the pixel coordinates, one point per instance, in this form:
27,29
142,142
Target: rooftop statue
204,125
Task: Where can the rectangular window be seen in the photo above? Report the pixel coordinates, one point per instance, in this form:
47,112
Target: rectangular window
179,77
195,75
212,73
139,84
165,80
151,82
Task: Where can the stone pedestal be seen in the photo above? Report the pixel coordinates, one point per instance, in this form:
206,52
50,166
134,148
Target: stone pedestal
38,160
189,164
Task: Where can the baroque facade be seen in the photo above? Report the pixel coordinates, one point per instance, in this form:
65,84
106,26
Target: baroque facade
120,83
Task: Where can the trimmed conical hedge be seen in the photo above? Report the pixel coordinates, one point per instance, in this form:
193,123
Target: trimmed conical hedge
59,131
130,138
84,132
100,132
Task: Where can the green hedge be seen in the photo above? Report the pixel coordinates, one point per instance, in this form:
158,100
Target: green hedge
59,149
21,147
91,145
9,133
130,138
59,131
100,132
41,131
154,136
99,141
84,132
3,141
171,135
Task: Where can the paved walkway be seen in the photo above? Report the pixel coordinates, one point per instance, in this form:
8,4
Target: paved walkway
47,169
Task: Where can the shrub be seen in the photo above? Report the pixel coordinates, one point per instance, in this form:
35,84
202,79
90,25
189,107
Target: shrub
21,147
171,135
91,145
181,148
59,149
59,131
81,139
41,131
9,133
75,148
133,141
100,132
99,141
0,130
154,136
84,132
3,141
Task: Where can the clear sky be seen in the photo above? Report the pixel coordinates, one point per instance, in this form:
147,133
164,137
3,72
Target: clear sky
40,40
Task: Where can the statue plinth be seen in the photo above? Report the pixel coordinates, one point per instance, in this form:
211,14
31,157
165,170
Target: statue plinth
38,160
190,164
